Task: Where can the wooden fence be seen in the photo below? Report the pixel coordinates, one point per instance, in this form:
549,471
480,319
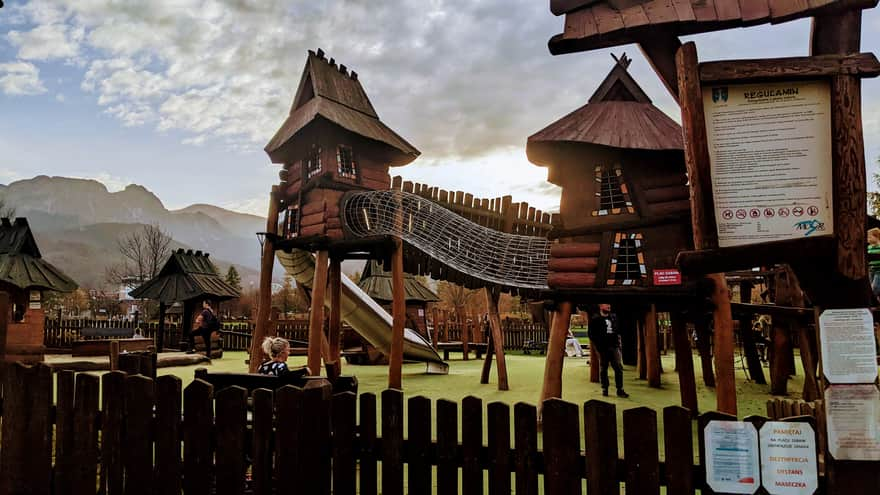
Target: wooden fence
321,442
60,334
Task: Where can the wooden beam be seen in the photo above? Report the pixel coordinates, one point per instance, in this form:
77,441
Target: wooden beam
335,325
497,338
747,337
552,387
5,314
660,51
728,71
398,314
725,383
778,361
316,316
813,250
684,364
652,352
696,151
836,33
267,262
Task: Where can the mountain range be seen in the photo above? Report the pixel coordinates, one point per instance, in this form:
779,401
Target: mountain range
77,223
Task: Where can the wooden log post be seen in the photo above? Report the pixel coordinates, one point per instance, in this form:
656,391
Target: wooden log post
807,340
114,355
684,363
641,359
398,315
160,330
778,362
753,361
725,390
316,316
335,324
652,353
496,337
705,351
552,387
267,262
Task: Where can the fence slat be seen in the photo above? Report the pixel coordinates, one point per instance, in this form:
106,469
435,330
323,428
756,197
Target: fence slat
471,444
262,442
641,451
419,445
198,421
367,428
447,446
600,436
525,423
84,471
26,463
168,408
112,414
137,455
315,432
64,432
679,449
392,442
344,433
562,470
499,447
288,440
231,406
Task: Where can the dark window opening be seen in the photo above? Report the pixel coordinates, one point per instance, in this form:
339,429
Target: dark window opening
611,195
346,163
313,162
628,266
291,222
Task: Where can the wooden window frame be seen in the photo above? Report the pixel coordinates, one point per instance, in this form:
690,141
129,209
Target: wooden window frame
312,157
638,243
352,172
616,171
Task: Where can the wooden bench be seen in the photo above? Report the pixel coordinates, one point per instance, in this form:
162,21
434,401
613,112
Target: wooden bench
534,345
446,347
101,346
252,381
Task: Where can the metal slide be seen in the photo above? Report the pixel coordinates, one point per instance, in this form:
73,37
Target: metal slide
364,315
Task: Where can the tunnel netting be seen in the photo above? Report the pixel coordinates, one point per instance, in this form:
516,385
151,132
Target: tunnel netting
484,253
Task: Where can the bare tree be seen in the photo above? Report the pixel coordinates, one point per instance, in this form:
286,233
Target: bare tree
6,211
143,254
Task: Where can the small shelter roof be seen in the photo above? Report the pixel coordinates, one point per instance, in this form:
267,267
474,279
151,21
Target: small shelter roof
21,263
592,24
332,93
619,115
376,282
186,275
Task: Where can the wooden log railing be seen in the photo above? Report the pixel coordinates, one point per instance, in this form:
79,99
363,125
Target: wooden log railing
327,442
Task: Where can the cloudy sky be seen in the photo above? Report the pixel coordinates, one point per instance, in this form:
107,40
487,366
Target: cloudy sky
181,95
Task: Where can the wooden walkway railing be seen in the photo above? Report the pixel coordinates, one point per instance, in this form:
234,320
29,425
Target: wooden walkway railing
308,441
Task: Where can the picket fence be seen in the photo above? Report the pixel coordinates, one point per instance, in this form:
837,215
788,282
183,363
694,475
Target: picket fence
309,441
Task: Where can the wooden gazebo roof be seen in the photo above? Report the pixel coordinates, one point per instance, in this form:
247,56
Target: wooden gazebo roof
619,115
332,93
592,24
21,263
376,282
186,275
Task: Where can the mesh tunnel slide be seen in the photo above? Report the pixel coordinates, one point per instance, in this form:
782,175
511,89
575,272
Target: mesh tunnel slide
490,255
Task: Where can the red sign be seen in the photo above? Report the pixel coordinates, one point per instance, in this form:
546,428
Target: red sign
667,277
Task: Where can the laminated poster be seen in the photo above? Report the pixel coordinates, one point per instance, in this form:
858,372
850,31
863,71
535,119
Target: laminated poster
732,462
789,464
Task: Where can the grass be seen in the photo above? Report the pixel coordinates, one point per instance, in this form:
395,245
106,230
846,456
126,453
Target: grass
525,376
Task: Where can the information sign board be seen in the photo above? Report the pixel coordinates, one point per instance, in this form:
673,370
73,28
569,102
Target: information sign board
853,421
789,464
667,276
847,341
770,160
732,463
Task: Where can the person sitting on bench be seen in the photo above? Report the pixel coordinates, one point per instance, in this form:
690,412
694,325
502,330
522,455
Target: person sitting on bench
573,346
278,350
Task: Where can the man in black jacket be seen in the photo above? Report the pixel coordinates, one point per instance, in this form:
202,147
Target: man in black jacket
605,337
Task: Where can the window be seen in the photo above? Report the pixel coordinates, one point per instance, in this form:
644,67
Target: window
345,160
290,226
613,194
627,260
313,162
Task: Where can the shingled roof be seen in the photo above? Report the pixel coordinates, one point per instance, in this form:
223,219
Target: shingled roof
619,115
376,282
21,263
592,24
186,275
332,93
